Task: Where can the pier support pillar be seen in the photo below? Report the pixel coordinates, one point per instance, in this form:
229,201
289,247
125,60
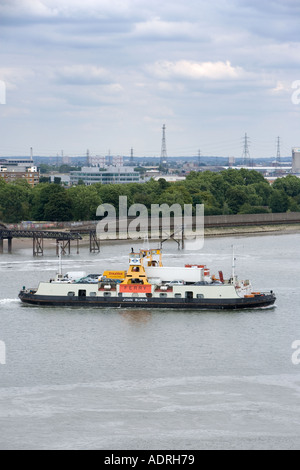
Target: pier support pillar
38,246
65,247
180,242
9,245
94,243
1,246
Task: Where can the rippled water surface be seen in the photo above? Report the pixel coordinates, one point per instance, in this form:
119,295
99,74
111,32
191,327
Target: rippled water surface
142,379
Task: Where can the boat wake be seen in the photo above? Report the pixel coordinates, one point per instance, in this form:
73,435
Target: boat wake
269,307
8,301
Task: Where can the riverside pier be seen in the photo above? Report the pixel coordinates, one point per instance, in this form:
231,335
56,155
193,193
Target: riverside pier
38,236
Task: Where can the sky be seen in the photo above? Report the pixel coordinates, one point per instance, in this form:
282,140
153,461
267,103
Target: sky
106,75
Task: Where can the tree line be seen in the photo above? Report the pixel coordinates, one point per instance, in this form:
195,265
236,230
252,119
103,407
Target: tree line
228,192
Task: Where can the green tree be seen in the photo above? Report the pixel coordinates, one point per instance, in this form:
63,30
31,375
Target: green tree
58,208
163,184
253,198
219,188
252,177
236,197
175,195
45,197
226,209
44,168
68,168
279,201
290,185
294,206
44,179
14,202
197,198
110,193
85,200
233,177
264,191
144,198
248,209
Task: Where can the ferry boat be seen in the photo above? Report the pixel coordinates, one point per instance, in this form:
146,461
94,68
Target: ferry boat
148,284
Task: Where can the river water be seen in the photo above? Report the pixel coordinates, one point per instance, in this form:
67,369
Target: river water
142,379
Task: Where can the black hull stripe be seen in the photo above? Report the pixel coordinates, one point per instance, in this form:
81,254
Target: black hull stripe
225,304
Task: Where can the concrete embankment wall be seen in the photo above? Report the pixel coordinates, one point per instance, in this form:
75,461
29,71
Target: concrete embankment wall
252,219
210,221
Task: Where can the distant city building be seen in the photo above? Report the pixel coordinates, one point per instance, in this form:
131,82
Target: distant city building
265,170
65,179
191,166
231,161
66,160
103,162
118,161
12,169
16,162
296,160
109,175
170,178
152,173
9,174
97,161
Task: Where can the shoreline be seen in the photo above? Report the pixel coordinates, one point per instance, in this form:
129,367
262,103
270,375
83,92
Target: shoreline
252,230
239,231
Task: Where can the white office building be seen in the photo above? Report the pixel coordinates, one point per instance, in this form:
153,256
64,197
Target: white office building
109,175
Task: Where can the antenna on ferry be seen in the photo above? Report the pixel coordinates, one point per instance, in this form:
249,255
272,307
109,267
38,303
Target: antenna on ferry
146,242
60,270
233,264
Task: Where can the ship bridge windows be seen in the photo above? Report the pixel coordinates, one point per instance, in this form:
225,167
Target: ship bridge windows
137,281
163,295
107,294
93,294
71,294
178,296
200,296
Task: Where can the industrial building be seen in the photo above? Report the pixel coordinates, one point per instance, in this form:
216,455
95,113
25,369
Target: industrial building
296,160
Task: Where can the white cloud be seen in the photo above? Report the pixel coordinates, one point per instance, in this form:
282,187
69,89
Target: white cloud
26,8
41,10
158,28
227,64
188,70
82,75
281,88
12,76
171,87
